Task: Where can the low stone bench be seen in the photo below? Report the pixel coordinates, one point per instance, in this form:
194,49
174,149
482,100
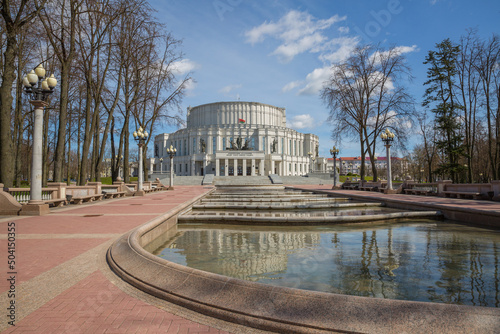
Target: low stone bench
416,191
85,199
113,194
58,202
462,194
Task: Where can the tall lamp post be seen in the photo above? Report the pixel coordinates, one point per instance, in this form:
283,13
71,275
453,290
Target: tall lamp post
388,138
171,153
140,136
38,98
334,151
161,165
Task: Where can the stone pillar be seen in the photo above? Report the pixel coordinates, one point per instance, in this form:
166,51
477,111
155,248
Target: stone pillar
245,167
235,167
193,168
120,184
442,187
217,167
60,193
97,187
261,167
252,173
226,167
36,163
272,167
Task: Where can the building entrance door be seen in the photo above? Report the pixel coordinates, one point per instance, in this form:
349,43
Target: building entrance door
231,171
201,171
240,171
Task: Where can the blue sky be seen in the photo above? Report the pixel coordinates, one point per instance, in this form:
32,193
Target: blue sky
279,52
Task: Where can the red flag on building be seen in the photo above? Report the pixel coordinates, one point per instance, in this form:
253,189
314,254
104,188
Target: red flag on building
241,120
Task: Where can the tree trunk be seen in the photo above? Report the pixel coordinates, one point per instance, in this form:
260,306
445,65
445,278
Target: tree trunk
6,144
61,133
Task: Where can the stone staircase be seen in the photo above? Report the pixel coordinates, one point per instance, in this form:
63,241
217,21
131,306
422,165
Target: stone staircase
240,180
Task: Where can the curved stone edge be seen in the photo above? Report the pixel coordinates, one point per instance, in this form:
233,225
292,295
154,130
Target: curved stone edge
282,309
262,220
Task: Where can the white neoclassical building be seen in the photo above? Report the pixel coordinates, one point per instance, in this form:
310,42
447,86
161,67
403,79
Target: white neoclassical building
238,138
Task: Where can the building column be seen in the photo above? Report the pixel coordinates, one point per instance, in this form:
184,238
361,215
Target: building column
261,167
217,167
226,167
272,166
253,168
235,167
245,167
193,168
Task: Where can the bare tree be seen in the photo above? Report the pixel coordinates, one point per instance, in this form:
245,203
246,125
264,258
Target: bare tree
365,95
489,71
16,15
61,34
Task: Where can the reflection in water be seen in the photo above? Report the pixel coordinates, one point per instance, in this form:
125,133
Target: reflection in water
421,261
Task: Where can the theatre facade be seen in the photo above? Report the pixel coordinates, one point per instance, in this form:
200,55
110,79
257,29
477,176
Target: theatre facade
238,139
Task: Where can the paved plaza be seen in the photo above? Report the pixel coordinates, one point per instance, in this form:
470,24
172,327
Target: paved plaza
64,285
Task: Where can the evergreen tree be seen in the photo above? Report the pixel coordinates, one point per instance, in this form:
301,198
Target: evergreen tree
440,96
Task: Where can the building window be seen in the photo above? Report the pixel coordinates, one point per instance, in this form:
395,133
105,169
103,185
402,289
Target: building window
253,143
224,144
264,144
180,168
214,145
294,147
185,150
282,144
186,169
290,147
175,168
295,167
194,145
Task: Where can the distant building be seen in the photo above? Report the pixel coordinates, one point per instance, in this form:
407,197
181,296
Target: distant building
238,138
352,165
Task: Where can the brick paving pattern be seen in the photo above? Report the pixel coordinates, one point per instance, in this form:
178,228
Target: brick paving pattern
60,285
64,285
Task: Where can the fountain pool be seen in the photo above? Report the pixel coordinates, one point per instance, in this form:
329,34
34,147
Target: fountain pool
420,260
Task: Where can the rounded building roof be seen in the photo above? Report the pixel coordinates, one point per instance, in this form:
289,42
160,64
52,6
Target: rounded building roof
224,114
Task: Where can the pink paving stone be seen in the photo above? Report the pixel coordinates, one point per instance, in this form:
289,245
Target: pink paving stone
126,319
35,256
65,224
122,209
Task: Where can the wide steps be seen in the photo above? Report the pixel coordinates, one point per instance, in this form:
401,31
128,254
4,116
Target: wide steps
302,218
284,206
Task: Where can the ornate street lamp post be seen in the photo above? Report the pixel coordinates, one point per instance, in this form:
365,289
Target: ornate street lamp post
140,136
334,151
161,165
388,138
39,96
171,153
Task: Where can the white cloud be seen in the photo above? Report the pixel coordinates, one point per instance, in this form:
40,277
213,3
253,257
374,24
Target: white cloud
315,81
298,32
339,49
305,121
343,30
229,88
291,85
184,66
396,51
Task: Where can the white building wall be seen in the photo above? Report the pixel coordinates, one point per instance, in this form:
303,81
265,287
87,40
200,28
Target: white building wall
220,120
